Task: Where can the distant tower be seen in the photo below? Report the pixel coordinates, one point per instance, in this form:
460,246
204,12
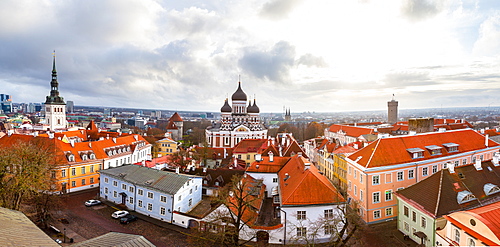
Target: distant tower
70,105
55,108
392,111
288,116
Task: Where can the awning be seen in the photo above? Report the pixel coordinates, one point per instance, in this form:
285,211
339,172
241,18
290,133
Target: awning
420,235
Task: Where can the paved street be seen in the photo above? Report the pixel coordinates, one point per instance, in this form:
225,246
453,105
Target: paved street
89,222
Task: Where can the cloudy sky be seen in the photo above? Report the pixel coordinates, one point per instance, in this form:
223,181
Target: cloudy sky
315,55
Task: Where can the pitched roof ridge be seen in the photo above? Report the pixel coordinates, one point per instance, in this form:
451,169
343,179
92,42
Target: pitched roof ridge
439,193
373,153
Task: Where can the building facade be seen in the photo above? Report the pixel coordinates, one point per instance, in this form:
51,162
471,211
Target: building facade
237,122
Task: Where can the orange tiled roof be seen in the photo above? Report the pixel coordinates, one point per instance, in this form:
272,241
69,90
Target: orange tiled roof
250,146
266,166
490,216
393,150
351,130
175,118
254,194
293,149
300,186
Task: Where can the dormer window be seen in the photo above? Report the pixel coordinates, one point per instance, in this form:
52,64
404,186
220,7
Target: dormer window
84,157
92,156
451,147
465,196
490,189
71,158
128,149
110,153
434,149
416,152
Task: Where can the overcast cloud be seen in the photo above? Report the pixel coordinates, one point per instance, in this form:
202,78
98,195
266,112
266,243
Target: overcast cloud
306,55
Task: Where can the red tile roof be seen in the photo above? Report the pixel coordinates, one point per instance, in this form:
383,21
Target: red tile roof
266,166
175,118
490,216
250,146
393,150
300,186
351,130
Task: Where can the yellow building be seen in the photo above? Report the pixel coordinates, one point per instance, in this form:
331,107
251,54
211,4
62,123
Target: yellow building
166,146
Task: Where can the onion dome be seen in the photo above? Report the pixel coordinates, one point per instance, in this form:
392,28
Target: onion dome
226,107
239,94
254,108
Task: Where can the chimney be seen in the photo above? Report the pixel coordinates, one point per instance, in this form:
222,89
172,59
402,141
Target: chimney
35,134
307,166
235,162
486,140
177,170
257,166
258,157
496,159
281,151
51,135
477,165
271,156
90,144
114,139
451,167
72,142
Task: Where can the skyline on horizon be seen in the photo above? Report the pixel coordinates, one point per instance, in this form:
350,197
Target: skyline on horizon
307,56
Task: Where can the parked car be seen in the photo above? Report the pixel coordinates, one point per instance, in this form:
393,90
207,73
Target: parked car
128,218
92,202
119,214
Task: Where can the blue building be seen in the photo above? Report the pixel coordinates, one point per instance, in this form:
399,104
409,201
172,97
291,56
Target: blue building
151,192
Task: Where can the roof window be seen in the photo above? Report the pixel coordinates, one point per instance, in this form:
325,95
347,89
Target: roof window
451,147
490,189
416,152
465,196
434,149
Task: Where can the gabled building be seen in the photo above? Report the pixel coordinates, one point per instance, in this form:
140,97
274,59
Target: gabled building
151,192
237,122
445,197
166,146
344,134
394,163
175,126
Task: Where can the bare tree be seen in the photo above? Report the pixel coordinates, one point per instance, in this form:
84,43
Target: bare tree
27,168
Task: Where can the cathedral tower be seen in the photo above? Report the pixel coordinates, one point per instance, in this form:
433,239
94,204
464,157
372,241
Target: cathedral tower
55,108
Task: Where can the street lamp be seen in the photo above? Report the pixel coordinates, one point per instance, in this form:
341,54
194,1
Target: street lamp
284,234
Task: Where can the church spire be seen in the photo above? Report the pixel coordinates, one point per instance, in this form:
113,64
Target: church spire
54,97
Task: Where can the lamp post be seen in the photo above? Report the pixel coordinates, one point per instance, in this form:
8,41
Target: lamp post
64,235
284,233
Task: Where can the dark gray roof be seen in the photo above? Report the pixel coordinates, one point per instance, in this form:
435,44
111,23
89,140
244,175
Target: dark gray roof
442,188
164,181
17,230
116,239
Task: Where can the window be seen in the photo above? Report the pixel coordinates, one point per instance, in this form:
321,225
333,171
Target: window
434,169
190,191
376,214
91,180
413,216
301,215
124,187
115,183
53,174
407,226
83,182
73,171
150,207
388,195
115,194
163,199
275,180
349,187
190,202
355,190
150,195
411,174
301,231
464,162
105,190
63,173
424,171
162,210
471,242
361,195
376,179
376,197
328,213
406,211
139,203
361,178
180,198
355,173
140,192
388,211
73,183
423,222
91,168
328,229
457,235
400,176
131,200
83,169
131,189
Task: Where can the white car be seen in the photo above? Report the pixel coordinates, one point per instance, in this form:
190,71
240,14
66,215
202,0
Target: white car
92,202
119,214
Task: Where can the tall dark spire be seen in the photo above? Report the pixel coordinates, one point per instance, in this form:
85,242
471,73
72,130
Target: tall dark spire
54,97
